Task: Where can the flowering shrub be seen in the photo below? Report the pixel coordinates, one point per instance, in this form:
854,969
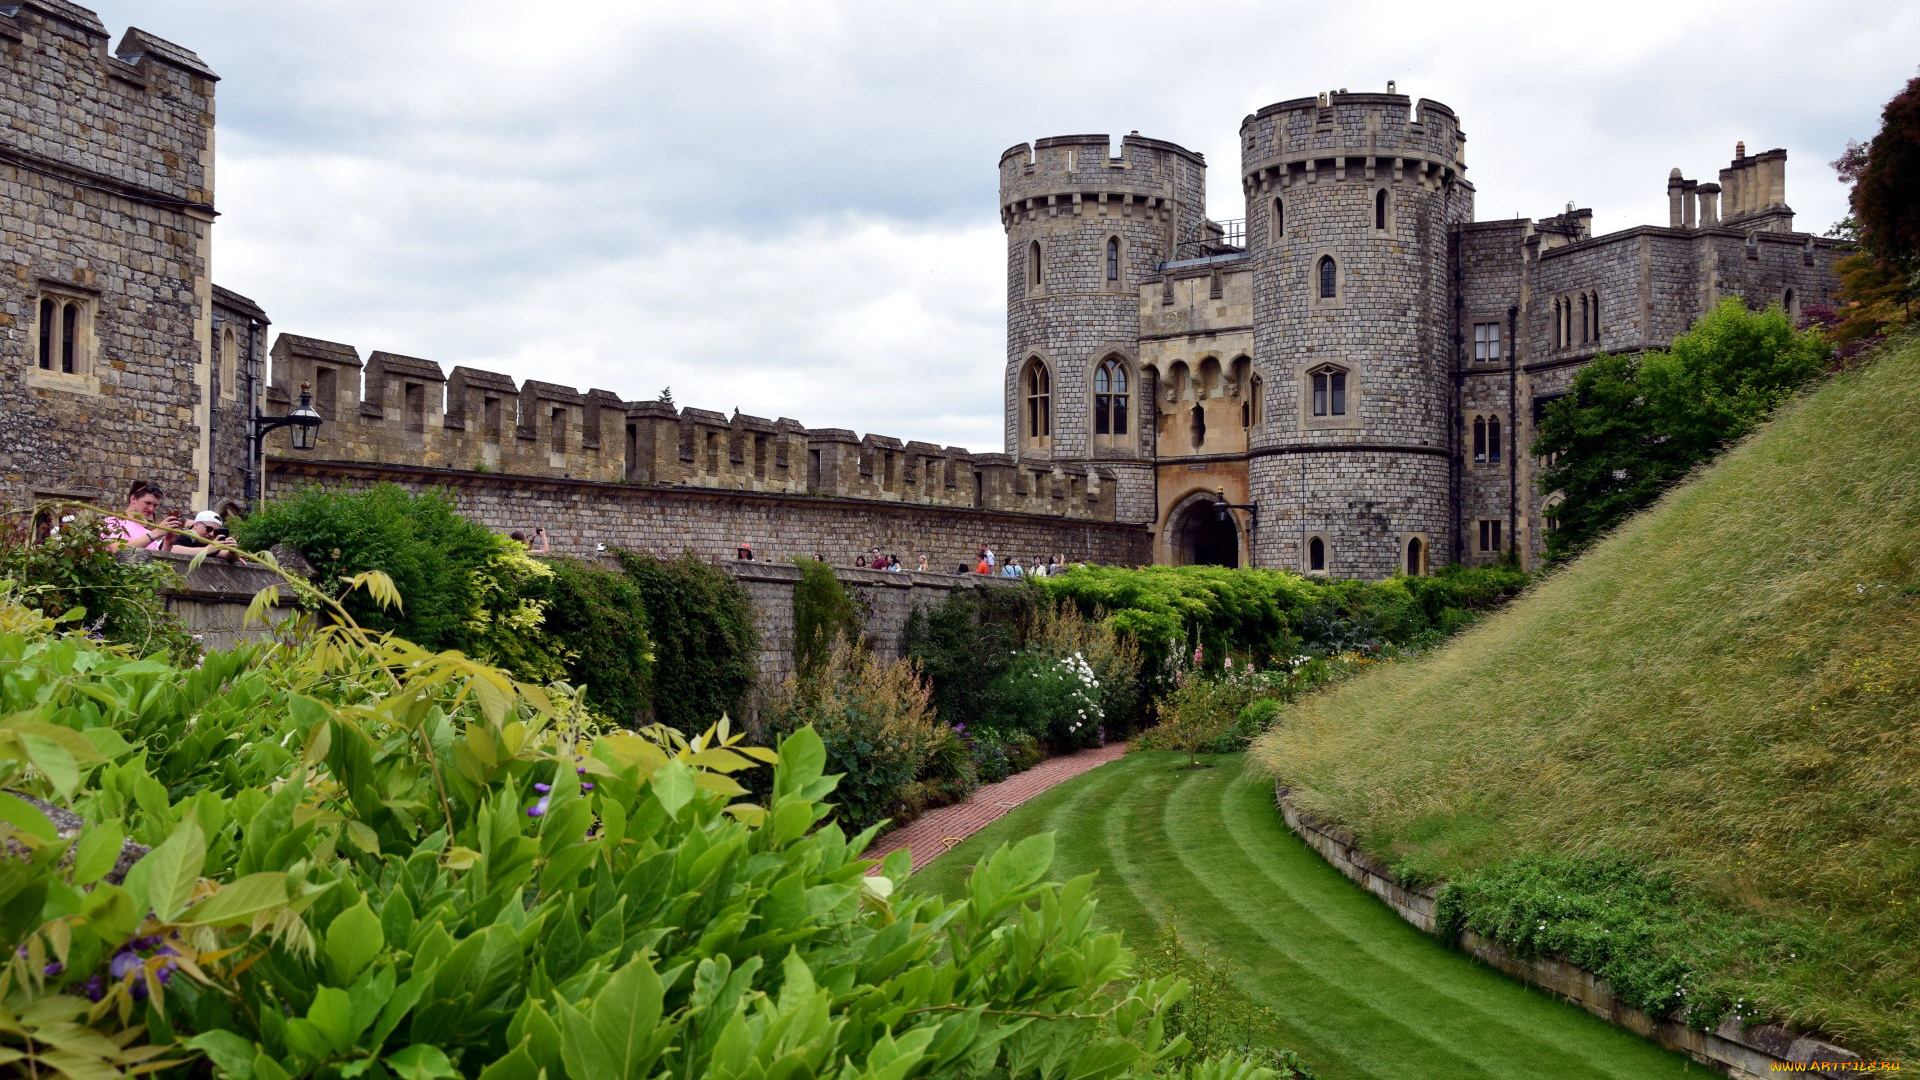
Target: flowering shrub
349,856
1053,698
1222,713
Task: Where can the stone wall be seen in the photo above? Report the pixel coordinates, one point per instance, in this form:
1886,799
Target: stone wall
106,206
212,598
393,409
583,516
1739,1051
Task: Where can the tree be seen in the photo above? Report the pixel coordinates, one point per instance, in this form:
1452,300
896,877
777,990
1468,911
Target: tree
1633,426
1880,283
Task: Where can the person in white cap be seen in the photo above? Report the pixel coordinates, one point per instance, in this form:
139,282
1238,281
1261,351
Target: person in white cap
208,530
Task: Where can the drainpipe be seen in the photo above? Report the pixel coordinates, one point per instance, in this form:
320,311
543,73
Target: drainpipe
1513,432
250,493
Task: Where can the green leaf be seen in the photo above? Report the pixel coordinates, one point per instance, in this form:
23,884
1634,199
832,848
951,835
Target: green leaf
421,1062
673,785
97,851
354,938
27,817
230,1053
517,1065
332,1015
265,1068
174,868
107,742
240,901
624,1014
53,760
803,757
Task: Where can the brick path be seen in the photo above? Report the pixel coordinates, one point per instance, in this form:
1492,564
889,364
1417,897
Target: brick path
937,830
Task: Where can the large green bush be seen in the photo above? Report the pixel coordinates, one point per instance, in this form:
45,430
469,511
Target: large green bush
601,617
823,613
966,643
701,623
1631,427
397,862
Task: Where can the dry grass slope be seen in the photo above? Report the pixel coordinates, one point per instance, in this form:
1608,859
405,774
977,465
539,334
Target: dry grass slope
1727,688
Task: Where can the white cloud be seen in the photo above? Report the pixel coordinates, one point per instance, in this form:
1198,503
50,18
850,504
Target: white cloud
792,208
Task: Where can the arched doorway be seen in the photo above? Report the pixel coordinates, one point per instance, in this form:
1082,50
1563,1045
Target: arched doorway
1204,535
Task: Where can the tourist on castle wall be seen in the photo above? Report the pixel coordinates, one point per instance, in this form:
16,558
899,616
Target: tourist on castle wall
143,504
207,533
923,564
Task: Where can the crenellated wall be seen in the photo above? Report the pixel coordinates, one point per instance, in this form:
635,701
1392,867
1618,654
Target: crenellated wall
400,410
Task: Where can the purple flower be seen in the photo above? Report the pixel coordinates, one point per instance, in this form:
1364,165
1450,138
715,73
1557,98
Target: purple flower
123,963
95,989
166,973
582,770
538,808
139,989
543,788
54,968
586,787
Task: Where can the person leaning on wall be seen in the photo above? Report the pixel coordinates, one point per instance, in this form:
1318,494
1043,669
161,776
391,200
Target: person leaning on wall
135,528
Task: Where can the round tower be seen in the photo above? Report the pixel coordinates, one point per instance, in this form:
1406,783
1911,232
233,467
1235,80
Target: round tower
1084,229
1352,200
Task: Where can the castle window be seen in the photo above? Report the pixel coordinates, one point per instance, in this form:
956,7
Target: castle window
1279,219
1110,397
1493,440
229,365
1586,320
1330,392
1113,258
1486,342
1329,279
64,340
1255,398
490,415
1380,210
415,403
1216,286
1317,555
1790,304
1033,265
1490,534
1416,556
1039,387
1594,299
326,391
1479,440
557,428
1198,421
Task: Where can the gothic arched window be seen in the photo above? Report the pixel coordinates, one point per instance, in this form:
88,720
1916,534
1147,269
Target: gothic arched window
1329,279
1479,440
1329,391
1380,209
1416,557
1316,554
1110,397
1113,258
1039,392
1493,440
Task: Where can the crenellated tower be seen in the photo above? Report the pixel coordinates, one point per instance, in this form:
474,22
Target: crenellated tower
1084,228
1352,201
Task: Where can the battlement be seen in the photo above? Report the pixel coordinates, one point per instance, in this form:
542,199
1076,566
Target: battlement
1338,136
392,409
136,119
1075,173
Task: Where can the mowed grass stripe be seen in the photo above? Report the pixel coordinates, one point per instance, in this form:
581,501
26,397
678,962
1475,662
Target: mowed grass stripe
1359,993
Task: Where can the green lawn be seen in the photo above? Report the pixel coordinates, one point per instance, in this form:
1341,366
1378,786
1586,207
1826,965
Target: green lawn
1360,993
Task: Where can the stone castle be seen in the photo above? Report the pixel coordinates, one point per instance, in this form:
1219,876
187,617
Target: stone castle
1356,356
1362,363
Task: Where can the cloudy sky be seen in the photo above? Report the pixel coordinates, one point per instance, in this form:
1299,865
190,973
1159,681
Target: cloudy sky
791,208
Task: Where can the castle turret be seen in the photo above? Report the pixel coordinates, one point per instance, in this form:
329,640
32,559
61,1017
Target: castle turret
1084,228
1351,203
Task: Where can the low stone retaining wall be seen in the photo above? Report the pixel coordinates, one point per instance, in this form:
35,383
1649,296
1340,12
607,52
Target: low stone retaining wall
1746,1053
212,598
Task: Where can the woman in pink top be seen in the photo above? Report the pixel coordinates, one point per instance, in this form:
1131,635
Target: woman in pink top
143,501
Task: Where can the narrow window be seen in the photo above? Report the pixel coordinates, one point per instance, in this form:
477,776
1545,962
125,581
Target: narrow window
1199,421
1033,264
1416,557
1327,279
1595,298
1787,303
1259,406
1338,396
759,457
1380,209
416,406
1113,258
1586,321
1493,439
1316,554
46,334
1110,397
557,427
1319,393
1039,401
1486,342
490,415
1279,219
69,335
1102,401
1490,535
1216,287
326,391
813,470
1479,439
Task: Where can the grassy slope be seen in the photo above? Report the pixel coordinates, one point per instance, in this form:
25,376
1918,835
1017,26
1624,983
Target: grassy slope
1725,688
1360,993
